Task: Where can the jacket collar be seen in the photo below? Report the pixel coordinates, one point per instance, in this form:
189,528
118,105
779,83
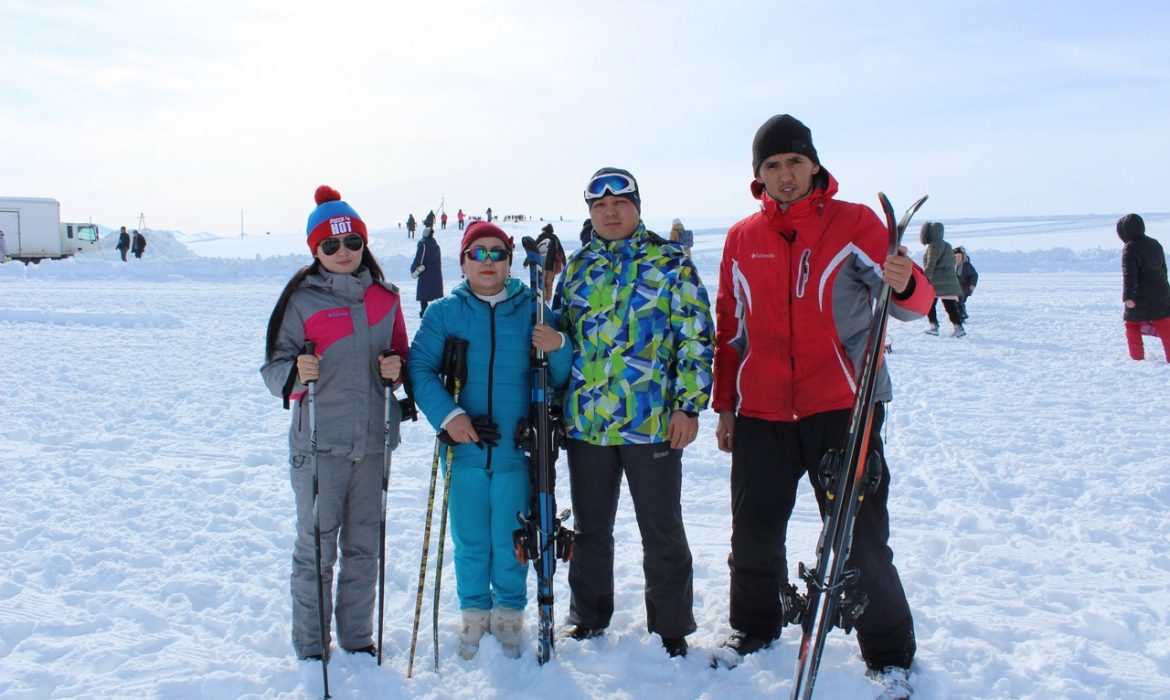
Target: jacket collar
351,288
813,204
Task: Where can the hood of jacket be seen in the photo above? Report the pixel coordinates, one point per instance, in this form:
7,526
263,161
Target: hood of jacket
1130,228
932,232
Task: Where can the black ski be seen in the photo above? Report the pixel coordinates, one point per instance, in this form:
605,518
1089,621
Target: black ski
847,476
542,538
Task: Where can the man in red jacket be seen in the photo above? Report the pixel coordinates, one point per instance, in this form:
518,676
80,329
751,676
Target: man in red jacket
796,290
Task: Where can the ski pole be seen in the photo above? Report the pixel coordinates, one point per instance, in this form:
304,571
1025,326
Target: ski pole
310,349
457,376
444,362
388,388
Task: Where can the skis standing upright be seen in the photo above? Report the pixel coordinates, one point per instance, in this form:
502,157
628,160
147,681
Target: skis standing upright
542,538
847,476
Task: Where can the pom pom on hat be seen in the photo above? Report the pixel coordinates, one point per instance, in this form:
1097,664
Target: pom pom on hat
325,193
332,217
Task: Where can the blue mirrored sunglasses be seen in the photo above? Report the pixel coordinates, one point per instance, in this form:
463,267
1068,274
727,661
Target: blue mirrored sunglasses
330,246
480,254
611,183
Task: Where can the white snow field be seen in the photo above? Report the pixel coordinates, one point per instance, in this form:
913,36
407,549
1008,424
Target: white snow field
146,519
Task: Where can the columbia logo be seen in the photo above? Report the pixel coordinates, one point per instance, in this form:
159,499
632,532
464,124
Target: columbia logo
337,314
340,224
660,455
763,255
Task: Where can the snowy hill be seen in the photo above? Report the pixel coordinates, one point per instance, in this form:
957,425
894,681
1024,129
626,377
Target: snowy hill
146,524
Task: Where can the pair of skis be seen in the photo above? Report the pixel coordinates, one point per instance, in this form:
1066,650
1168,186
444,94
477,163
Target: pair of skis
542,537
847,475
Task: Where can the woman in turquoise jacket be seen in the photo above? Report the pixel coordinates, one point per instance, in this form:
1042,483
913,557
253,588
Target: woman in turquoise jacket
490,478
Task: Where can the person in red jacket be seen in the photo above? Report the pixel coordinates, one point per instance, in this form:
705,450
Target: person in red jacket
796,289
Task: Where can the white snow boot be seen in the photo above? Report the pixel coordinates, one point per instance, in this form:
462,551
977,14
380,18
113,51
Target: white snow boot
475,624
932,329
507,628
959,332
895,682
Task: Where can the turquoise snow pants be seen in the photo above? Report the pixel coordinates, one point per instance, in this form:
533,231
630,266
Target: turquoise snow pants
484,504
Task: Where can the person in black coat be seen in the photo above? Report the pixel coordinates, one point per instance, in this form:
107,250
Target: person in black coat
139,245
427,268
968,278
123,243
1145,289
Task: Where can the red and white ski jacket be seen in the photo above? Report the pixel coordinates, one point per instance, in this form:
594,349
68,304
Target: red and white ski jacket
796,293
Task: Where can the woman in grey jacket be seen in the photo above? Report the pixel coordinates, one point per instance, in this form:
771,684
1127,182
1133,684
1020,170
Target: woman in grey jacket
939,263
342,307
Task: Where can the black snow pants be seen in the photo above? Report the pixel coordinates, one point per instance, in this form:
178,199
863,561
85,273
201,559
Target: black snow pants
768,460
654,475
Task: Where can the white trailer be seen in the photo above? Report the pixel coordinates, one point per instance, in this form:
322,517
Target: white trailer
33,230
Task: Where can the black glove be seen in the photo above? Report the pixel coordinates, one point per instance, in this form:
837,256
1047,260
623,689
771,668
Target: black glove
488,433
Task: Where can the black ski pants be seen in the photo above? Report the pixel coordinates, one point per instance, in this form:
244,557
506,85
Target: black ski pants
654,475
767,461
951,306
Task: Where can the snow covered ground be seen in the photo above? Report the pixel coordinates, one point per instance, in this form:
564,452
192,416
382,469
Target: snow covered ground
146,521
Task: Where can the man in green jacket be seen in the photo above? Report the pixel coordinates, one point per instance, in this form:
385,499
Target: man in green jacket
639,321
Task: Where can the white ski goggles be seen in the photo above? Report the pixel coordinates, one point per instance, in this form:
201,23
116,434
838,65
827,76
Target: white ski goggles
609,183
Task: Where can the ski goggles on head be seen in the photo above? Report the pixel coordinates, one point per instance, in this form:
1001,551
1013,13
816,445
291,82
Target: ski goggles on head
483,255
609,183
353,242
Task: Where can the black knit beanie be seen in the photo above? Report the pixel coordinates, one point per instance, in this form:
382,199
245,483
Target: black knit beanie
782,134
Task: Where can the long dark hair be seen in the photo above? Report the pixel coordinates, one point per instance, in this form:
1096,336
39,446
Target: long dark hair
277,317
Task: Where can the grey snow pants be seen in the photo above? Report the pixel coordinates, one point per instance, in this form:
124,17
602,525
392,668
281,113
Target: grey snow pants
351,512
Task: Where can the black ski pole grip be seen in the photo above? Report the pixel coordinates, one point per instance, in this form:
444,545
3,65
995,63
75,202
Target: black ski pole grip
459,360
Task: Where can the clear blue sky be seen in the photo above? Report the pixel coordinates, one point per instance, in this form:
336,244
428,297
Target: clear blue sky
191,111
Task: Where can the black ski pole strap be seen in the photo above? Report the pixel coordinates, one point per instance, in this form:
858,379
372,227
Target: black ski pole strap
291,381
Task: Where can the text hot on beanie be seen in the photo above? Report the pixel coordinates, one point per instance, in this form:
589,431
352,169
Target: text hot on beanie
782,134
332,217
